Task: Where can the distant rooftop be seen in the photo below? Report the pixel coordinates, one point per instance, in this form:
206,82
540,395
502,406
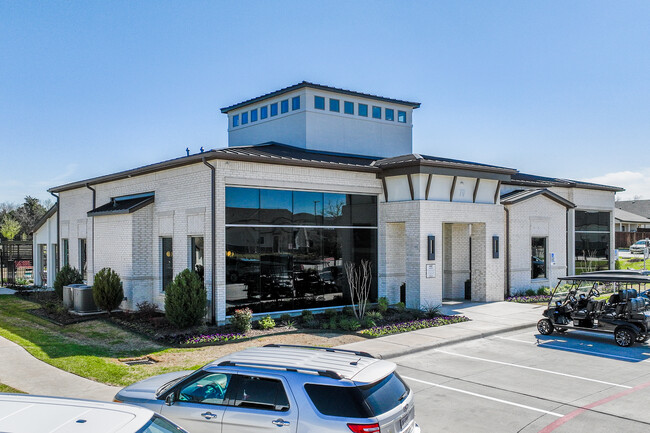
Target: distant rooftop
319,87
523,179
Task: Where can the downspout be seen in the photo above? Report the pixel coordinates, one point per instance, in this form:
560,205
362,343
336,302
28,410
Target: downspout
92,253
213,225
507,245
58,233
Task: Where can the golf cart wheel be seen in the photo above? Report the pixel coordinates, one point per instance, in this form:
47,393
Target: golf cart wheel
624,337
560,330
641,338
545,327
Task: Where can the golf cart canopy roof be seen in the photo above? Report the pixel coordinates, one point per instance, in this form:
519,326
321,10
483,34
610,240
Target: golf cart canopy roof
638,277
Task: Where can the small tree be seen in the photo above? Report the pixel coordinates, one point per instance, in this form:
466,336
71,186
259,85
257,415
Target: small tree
9,227
65,277
186,300
359,280
107,290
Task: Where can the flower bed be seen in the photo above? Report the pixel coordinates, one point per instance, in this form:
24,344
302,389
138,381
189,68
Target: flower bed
396,328
529,299
212,338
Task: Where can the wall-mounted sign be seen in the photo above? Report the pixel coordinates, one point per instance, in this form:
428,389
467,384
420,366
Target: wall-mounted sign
431,271
552,258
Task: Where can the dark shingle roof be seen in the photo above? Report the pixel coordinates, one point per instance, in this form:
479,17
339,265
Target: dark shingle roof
45,217
520,195
630,217
319,87
417,159
524,179
122,205
639,207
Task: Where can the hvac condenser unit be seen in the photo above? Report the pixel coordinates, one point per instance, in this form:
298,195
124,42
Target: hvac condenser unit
83,299
68,295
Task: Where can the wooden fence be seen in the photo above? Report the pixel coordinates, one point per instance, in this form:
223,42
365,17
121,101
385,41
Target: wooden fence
625,239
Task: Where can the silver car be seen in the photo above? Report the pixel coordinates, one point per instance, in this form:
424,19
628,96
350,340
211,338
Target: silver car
283,388
639,246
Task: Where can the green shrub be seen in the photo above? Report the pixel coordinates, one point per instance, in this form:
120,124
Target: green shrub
374,315
333,323
347,311
285,318
266,323
307,315
65,277
241,320
107,290
349,324
368,322
331,313
543,291
382,305
311,323
431,310
400,307
618,265
186,300
530,292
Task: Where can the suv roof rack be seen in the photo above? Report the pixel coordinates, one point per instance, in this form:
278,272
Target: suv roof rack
326,349
326,373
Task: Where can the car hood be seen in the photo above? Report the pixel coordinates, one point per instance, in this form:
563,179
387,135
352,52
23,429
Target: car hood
145,390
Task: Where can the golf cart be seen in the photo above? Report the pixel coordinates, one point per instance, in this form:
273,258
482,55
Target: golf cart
603,301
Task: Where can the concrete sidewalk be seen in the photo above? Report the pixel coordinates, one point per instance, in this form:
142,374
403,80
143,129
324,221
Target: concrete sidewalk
486,319
22,371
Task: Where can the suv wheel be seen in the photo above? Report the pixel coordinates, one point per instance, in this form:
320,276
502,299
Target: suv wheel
624,337
545,327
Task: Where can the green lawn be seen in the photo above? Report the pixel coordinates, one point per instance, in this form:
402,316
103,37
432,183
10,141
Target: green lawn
6,388
88,349
634,263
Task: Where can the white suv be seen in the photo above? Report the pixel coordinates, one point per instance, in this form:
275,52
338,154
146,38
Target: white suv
283,388
35,414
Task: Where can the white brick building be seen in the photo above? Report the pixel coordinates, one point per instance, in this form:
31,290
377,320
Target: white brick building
314,177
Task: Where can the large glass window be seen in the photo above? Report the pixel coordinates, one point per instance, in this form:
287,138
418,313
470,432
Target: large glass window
348,107
592,241
295,103
167,261
264,112
390,114
284,106
235,120
538,258
334,105
376,112
254,115
274,109
293,256
401,116
244,118
319,102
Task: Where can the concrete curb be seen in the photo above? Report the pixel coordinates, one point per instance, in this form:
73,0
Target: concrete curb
477,336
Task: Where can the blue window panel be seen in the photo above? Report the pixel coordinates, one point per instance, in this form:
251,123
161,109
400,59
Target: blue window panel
363,110
274,109
376,112
244,118
390,114
254,115
284,106
401,116
235,120
264,112
334,105
295,103
319,102
348,107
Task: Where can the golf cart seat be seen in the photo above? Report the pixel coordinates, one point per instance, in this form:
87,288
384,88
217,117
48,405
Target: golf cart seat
587,311
635,305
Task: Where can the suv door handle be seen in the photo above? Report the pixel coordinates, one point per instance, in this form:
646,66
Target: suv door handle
280,422
208,415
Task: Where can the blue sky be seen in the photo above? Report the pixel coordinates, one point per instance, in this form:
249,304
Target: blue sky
554,88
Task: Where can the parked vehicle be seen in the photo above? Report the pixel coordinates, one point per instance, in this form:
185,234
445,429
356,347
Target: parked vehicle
36,414
576,303
639,246
298,389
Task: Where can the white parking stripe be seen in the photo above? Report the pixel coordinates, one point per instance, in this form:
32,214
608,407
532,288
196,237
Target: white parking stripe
590,352
514,339
534,369
498,400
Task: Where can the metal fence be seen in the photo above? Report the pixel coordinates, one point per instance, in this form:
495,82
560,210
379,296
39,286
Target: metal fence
16,262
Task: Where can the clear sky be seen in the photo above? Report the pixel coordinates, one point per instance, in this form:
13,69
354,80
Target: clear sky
557,88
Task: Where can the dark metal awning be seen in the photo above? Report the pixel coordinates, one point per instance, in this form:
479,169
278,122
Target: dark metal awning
123,205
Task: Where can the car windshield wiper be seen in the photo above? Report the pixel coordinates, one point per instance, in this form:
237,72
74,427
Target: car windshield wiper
403,396
168,385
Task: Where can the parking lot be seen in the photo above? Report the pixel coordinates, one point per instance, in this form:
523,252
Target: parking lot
526,382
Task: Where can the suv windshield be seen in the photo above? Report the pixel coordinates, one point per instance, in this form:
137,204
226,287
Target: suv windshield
158,424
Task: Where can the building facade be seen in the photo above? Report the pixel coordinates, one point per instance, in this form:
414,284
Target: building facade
315,177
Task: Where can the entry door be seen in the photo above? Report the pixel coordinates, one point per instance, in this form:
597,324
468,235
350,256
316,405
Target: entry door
262,405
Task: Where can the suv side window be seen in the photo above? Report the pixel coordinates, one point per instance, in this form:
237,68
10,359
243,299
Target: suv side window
261,393
206,389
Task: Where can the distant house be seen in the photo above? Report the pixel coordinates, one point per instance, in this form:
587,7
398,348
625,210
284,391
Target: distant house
639,207
629,222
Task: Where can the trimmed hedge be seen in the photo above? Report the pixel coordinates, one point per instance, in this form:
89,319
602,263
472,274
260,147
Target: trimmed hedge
186,300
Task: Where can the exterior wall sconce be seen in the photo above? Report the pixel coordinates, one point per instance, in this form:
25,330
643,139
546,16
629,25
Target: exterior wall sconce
431,247
495,247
